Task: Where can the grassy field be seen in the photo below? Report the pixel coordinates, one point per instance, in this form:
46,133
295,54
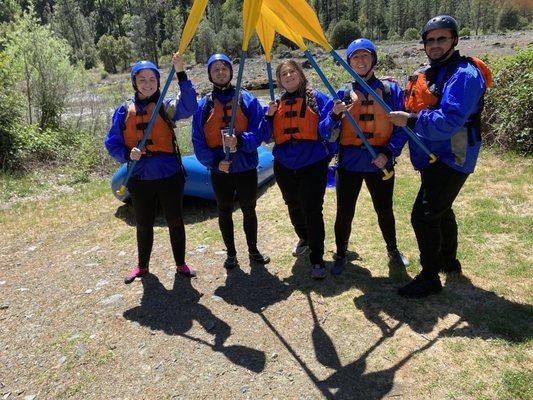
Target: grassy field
70,328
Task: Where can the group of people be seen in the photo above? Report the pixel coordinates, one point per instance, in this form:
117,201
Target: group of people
442,104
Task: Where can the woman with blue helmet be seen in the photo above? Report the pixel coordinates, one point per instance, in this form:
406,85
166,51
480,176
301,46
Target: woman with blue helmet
355,163
158,174
238,175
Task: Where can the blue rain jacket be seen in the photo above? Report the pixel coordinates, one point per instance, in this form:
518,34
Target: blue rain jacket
359,159
160,165
245,158
295,155
443,129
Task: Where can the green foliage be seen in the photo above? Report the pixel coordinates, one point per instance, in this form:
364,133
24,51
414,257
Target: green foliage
508,116
40,61
516,385
411,34
9,9
343,33
464,32
107,51
508,18
204,44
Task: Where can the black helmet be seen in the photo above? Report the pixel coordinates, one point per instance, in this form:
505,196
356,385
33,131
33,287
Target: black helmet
440,22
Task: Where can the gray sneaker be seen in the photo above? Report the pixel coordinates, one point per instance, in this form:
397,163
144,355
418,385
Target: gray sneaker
300,249
319,271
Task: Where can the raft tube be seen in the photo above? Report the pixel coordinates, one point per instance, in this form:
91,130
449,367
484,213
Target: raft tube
198,181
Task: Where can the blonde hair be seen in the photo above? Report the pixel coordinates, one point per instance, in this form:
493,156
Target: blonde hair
305,89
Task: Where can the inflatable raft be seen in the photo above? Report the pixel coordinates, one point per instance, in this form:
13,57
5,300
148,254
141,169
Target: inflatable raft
198,181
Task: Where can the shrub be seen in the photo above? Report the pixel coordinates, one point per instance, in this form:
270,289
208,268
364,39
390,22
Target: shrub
343,33
411,34
464,32
508,117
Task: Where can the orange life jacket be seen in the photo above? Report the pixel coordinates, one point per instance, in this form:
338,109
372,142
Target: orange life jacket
369,115
217,116
161,139
419,96
295,120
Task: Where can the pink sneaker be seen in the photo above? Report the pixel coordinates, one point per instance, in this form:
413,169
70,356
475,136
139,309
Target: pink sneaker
135,273
186,270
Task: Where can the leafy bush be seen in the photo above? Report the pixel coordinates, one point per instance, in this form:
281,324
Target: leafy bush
343,33
508,117
10,112
411,34
464,32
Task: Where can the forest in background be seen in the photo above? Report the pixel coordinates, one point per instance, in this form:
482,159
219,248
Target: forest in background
56,57
116,32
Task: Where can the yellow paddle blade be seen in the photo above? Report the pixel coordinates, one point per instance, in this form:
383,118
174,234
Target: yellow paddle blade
266,34
250,14
195,15
281,27
301,18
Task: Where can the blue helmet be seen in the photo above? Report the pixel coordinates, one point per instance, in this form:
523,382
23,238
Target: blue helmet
139,65
362,44
219,57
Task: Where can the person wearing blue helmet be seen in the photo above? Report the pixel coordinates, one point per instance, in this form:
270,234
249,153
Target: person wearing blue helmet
355,163
238,175
158,175
444,101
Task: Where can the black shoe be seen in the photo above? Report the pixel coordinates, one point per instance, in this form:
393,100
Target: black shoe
397,258
319,271
231,262
420,287
259,258
455,266
339,264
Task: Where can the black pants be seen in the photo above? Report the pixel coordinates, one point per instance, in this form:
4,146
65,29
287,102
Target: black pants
144,196
433,219
303,191
348,189
225,186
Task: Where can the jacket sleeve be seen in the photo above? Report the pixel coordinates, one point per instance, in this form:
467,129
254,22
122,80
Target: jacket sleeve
207,156
399,137
251,139
184,106
114,140
460,99
327,122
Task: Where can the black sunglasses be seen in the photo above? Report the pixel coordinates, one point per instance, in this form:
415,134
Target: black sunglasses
440,40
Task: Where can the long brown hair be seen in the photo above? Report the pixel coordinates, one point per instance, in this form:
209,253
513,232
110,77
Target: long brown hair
305,89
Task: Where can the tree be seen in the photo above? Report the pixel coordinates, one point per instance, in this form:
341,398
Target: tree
41,60
69,22
204,44
344,33
107,51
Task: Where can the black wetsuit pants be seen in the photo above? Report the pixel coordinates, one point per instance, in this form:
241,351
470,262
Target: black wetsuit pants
145,195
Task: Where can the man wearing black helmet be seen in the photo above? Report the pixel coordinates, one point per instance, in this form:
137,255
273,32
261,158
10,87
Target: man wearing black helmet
444,101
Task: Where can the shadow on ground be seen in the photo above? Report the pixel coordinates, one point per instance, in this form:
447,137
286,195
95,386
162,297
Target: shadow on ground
481,314
173,312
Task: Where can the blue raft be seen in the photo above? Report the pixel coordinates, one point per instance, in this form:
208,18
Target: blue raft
198,181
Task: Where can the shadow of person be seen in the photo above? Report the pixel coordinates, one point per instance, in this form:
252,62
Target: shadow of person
350,382
254,291
486,315
173,312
